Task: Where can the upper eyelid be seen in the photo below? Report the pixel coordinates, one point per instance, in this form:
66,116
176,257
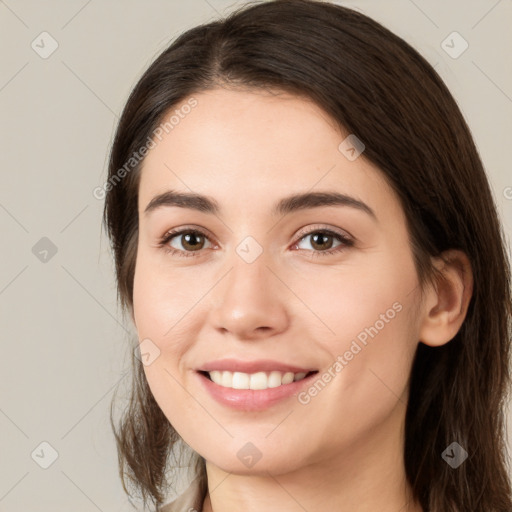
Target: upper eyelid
318,227
302,233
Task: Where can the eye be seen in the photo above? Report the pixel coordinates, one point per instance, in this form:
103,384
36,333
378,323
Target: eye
186,242
189,242
323,239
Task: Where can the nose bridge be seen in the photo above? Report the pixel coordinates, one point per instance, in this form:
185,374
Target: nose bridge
250,297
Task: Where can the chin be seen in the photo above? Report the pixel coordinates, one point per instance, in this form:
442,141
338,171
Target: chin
248,459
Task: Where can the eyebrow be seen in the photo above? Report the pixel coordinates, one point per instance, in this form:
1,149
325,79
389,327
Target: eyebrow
290,204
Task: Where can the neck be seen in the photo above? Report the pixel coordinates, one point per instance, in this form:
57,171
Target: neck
368,475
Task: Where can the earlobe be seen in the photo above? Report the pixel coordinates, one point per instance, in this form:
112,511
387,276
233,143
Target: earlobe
446,304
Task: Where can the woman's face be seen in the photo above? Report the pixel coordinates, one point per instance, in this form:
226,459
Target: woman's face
283,284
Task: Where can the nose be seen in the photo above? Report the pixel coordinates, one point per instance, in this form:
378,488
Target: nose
250,302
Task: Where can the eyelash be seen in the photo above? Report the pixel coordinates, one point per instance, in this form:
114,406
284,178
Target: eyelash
163,243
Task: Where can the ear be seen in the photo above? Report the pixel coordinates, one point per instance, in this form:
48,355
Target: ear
445,305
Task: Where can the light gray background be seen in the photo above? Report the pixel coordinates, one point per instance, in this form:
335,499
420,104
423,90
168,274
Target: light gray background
64,344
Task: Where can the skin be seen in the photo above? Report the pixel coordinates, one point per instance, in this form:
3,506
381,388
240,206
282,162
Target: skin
344,449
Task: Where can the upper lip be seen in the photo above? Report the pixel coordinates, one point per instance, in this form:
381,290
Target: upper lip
259,365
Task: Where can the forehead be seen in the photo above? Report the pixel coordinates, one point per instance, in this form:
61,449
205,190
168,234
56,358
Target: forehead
253,148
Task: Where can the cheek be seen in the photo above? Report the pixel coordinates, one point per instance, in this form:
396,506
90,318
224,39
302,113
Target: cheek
370,362
170,395
364,301
160,315
165,312
369,312
162,300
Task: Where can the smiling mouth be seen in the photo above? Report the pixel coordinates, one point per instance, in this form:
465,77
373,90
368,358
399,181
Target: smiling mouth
256,381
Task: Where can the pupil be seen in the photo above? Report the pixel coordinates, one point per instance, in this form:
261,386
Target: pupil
323,238
190,236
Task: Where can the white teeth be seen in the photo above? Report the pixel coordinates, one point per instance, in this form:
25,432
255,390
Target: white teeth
287,378
259,380
226,379
274,379
241,380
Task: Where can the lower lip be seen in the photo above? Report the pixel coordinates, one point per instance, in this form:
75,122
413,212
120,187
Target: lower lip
253,399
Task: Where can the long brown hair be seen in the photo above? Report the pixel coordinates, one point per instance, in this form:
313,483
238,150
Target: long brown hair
375,85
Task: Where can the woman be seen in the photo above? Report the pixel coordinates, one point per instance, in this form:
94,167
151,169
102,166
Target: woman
370,378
